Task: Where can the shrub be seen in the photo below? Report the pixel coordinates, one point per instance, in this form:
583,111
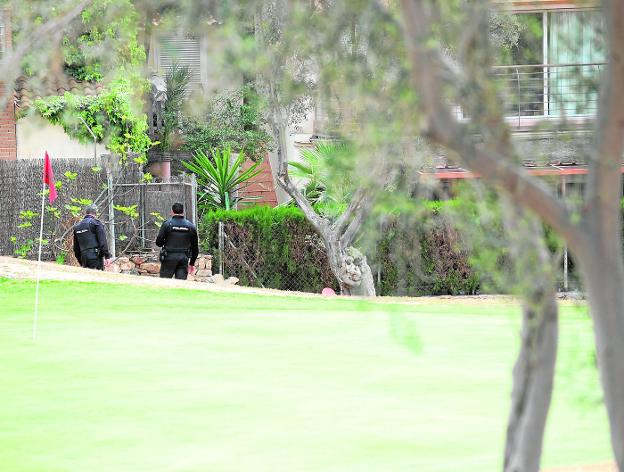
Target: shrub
278,248
270,247
430,261
234,120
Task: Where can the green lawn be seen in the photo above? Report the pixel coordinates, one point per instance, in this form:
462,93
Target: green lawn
134,379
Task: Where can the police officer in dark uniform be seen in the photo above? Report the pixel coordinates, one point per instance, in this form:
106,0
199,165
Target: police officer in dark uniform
180,247
90,245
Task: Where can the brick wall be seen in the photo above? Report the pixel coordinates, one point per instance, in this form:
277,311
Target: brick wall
8,140
262,185
8,30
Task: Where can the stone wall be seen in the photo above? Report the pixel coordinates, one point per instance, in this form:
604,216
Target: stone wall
149,265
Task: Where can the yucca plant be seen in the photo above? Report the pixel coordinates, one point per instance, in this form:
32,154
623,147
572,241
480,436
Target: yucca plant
220,178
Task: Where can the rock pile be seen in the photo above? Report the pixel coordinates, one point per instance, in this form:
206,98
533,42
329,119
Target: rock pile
148,264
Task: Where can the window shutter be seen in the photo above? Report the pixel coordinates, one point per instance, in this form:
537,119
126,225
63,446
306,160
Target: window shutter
186,52
2,34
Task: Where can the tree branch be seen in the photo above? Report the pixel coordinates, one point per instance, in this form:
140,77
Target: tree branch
341,223
496,166
10,65
604,180
351,231
278,125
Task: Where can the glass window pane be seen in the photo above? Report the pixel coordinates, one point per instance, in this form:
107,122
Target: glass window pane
576,48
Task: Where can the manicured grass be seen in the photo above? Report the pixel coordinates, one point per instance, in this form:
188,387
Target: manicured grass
134,379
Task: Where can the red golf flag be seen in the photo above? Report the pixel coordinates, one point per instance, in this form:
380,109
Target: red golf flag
48,177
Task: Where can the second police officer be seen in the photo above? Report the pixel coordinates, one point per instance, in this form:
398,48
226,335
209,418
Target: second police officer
178,239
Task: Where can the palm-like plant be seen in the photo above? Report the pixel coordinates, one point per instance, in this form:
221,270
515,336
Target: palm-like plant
177,81
220,178
315,169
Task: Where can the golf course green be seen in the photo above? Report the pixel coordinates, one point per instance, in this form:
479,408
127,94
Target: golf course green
124,378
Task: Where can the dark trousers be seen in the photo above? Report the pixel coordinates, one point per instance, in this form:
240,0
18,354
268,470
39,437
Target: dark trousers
175,264
90,260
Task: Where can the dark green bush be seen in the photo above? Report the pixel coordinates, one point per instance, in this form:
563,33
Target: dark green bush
278,248
428,261
270,247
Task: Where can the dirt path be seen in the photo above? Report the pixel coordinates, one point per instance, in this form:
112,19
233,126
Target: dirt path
24,269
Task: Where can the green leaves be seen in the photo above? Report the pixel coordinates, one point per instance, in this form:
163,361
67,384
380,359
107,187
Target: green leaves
74,210
54,211
221,178
82,201
129,211
70,176
110,115
158,218
21,251
316,169
26,217
234,120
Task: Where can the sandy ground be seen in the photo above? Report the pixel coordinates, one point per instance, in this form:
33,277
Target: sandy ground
24,269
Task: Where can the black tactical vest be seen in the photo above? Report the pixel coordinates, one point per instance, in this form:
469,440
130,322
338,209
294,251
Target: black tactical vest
85,233
178,237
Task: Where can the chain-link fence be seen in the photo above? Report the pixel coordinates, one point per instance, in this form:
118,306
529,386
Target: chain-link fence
131,210
301,265
291,256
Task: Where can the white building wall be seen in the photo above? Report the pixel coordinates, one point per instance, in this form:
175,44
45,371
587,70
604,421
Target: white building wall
301,134
35,136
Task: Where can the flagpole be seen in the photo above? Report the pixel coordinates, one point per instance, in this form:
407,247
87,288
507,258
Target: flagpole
34,332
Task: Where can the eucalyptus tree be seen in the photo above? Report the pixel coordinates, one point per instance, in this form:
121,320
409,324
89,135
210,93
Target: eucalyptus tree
592,229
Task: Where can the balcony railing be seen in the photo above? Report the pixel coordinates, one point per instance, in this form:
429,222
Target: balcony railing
532,93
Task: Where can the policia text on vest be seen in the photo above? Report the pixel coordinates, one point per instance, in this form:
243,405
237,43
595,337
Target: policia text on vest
90,247
178,239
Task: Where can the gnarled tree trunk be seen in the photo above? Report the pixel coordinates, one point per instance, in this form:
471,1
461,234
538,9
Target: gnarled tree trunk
350,268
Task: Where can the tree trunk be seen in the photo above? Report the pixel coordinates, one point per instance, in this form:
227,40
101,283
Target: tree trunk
366,288
350,268
533,377
603,274
533,374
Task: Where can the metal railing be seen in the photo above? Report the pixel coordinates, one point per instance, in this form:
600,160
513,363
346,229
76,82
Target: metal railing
547,91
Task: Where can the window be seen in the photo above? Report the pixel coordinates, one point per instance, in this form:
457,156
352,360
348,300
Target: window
186,51
555,68
576,51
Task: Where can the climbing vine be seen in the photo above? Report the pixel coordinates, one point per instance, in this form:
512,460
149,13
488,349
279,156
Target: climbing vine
105,25
110,116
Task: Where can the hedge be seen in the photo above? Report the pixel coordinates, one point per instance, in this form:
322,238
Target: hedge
278,248
269,247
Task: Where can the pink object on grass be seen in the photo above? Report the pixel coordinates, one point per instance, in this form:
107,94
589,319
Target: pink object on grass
328,292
